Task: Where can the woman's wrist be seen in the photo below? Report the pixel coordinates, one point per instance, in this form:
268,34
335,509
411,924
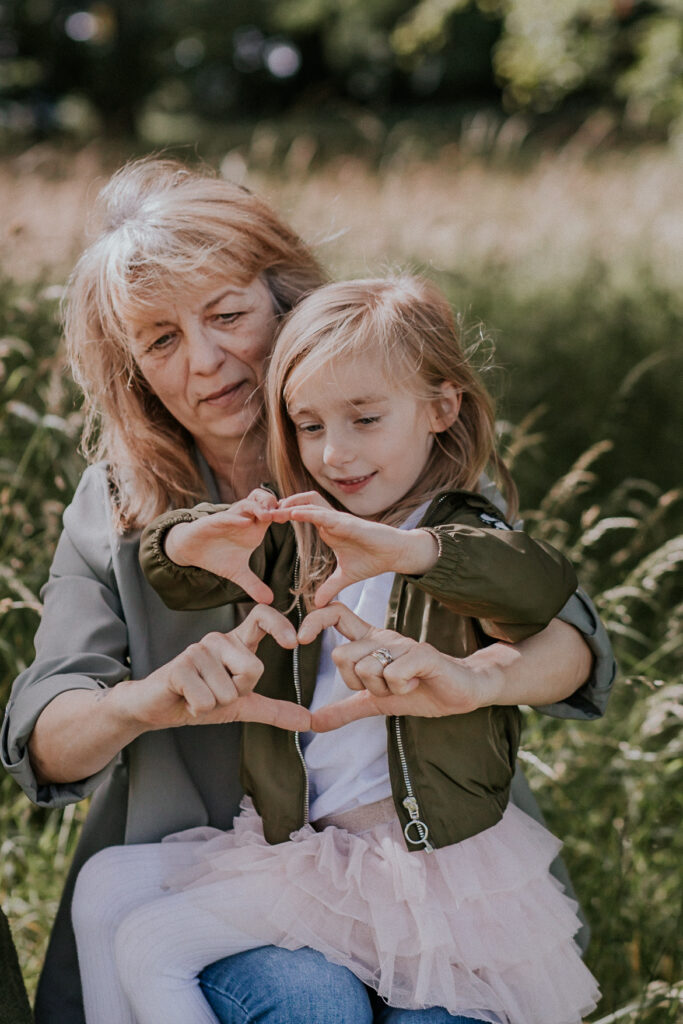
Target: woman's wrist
79,732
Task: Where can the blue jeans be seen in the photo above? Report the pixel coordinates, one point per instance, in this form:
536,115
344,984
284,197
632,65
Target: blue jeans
275,986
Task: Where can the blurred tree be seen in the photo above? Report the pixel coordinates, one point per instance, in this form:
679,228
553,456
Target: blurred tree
119,59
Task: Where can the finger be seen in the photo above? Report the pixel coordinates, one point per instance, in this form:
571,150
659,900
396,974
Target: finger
328,590
263,497
334,716
261,620
229,666
305,498
400,676
210,663
320,516
252,585
371,674
336,615
196,694
283,714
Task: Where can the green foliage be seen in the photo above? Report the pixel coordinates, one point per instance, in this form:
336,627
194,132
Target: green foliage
158,69
39,468
627,54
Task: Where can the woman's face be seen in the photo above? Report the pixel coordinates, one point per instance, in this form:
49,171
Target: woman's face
203,356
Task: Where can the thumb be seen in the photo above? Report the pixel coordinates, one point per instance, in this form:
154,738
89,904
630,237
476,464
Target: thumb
328,590
252,585
284,714
333,716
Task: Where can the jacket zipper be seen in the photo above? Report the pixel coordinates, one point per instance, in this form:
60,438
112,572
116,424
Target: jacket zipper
410,802
299,698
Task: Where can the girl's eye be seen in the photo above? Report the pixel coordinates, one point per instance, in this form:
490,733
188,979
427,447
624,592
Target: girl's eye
308,428
365,420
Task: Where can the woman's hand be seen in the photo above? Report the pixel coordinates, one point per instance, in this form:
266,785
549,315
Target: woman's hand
418,680
362,548
213,681
223,542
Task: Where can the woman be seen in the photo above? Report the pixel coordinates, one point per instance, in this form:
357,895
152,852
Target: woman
170,316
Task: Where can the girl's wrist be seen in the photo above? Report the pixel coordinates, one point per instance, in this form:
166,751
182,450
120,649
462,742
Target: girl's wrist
172,544
419,554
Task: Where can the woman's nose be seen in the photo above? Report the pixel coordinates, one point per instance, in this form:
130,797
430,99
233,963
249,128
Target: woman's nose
205,355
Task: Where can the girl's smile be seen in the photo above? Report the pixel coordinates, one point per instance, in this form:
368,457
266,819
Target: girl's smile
363,438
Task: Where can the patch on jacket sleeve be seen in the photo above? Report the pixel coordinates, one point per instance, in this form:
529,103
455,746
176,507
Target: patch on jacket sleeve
494,524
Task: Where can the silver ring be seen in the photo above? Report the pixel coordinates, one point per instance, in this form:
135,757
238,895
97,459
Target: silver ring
384,657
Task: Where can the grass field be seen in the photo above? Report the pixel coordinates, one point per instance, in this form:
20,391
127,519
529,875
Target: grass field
574,261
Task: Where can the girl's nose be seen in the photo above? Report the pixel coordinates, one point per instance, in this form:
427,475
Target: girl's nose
205,355
336,454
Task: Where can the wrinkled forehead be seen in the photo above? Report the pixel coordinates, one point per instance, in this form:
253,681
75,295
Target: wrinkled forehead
154,297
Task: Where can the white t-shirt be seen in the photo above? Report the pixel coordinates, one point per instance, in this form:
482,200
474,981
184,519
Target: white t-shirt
348,767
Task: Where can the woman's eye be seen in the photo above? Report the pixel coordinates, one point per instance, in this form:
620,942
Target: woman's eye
308,428
228,318
365,420
161,343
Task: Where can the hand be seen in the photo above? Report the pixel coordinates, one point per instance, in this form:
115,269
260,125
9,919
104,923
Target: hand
223,542
212,681
419,680
361,547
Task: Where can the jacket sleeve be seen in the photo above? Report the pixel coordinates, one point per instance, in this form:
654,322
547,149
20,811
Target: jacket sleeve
187,586
590,700
512,584
82,640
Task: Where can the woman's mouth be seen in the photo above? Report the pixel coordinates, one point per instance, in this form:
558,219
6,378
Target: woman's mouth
351,484
225,396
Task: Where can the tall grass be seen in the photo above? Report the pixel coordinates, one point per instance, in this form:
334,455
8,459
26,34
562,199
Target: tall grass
572,264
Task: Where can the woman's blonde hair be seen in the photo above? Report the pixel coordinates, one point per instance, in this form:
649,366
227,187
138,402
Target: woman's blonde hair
408,323
166,228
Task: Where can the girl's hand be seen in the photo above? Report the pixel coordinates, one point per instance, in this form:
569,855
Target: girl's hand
212,681
362,548
418,680
223,542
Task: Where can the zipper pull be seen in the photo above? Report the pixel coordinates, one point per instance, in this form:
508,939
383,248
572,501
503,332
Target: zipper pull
410,804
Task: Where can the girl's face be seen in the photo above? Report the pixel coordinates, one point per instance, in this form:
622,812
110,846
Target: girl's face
363,439
203,356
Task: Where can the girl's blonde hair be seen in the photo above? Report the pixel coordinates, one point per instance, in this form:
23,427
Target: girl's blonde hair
166,229
408,323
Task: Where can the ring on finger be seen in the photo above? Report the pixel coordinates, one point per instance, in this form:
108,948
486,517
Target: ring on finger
383,656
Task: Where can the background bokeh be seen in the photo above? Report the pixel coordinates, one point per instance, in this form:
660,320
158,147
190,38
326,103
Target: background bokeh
528,155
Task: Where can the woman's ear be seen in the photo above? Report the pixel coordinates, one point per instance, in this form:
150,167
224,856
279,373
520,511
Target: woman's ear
444,410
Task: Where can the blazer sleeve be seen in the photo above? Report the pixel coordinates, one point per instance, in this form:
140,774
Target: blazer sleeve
82,640
590,700
512,584
187,586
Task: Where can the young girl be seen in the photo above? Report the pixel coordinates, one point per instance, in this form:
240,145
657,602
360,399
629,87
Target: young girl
388,845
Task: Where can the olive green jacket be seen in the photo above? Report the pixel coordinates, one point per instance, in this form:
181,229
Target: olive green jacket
450,774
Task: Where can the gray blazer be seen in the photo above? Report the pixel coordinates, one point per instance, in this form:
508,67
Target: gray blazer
103,623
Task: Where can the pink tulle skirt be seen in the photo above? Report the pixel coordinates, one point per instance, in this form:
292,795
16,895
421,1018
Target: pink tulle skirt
478,927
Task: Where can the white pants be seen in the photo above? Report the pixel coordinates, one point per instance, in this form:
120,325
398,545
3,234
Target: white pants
140,947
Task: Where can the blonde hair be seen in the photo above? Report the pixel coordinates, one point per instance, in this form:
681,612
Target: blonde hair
165,229
409,324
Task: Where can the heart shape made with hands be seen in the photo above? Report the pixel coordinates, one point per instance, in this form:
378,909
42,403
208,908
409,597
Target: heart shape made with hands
419,680
224,541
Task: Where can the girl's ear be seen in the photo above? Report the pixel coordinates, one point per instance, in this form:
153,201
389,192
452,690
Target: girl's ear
444,410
